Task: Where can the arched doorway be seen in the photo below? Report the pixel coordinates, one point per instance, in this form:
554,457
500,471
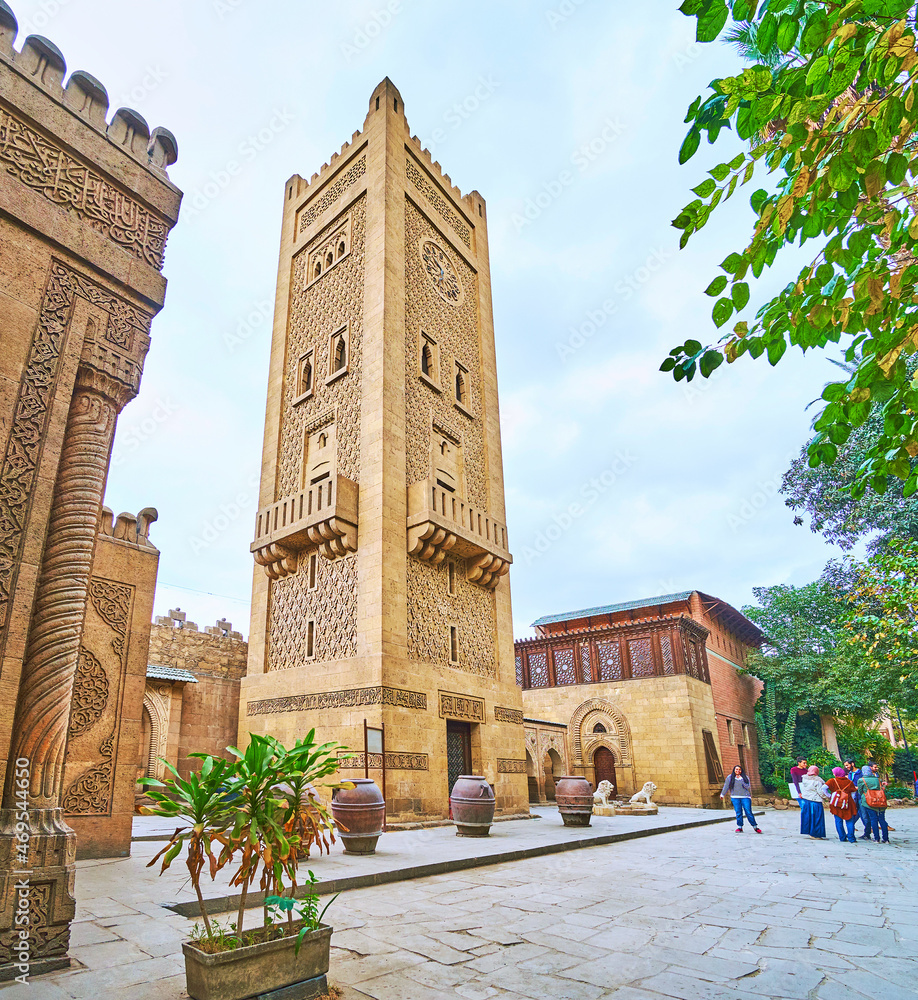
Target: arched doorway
552,768
532,779
604,767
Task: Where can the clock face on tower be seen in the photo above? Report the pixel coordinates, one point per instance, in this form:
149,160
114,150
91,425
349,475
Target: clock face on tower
441,271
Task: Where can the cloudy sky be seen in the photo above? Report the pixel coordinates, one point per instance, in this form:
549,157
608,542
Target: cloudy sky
567,117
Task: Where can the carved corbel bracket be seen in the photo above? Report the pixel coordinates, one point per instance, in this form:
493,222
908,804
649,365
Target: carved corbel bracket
277,560
430,543
334,537
487,570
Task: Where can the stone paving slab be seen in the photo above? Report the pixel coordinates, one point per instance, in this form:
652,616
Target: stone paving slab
590,924
409,854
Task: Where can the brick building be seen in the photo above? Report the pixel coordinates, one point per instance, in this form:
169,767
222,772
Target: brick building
648,690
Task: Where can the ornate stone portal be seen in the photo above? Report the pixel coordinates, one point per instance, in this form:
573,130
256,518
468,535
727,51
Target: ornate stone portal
381,589
85,208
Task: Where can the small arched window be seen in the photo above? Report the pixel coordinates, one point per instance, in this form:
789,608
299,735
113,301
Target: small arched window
329,259
599,728
323,440
317,270
340,355
460,385
306,378
341,249
426,360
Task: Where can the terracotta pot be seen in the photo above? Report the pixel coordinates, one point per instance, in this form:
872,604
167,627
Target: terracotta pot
472,802
260,968
574,796
360,814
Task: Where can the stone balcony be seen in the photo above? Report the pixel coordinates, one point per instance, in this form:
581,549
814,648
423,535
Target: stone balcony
322,517
441,523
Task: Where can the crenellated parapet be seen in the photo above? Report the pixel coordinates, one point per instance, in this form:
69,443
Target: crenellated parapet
131,528
58,138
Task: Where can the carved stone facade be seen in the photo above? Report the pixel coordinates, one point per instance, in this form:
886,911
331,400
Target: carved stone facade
85,210
380,545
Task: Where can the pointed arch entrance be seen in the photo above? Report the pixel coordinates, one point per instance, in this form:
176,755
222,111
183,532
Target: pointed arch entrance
601,741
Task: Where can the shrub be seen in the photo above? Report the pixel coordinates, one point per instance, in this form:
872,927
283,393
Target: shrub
898,792
905,763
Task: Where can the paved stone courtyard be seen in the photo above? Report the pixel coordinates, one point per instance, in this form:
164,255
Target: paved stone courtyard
701,914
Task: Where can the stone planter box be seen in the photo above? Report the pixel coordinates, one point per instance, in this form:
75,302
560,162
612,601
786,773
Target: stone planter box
260,968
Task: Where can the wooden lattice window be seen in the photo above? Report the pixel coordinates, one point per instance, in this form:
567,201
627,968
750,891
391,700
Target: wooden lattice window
691,659
641,654
538,669
715,771
610,660
586,667
666,651
519,669
564,666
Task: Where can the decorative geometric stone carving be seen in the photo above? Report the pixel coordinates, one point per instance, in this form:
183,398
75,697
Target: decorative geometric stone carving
395,761
441,272
438,202
505,766
90,794
513,715
312,211
460,706
352,698
90,695
63,179
617,737
112,602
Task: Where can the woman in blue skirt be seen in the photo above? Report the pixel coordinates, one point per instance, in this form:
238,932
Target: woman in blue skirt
812,811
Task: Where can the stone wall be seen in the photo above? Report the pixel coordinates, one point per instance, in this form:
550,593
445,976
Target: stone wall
199,715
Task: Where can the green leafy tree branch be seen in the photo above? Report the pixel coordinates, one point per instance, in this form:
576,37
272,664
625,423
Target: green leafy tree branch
829,109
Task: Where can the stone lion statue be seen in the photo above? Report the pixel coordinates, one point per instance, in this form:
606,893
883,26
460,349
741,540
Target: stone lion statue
603,793
645,794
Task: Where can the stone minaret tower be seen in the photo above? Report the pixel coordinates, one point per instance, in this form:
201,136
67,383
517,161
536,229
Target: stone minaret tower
380,588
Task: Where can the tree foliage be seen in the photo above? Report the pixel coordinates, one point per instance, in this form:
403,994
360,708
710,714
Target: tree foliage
808,658
834,121
824,494
882,626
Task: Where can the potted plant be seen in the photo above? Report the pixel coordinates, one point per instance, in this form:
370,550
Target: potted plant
250,813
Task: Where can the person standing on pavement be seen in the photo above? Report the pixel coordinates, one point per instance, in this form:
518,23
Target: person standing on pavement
796,775
812,812
739,788
873,798
842,805
853,774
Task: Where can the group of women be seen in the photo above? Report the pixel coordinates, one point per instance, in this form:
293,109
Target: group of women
851,795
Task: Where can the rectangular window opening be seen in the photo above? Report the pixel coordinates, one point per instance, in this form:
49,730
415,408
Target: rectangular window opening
451,578
453,644
310,639
313,569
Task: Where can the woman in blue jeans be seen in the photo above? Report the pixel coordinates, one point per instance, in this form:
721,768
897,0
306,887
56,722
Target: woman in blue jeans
739,788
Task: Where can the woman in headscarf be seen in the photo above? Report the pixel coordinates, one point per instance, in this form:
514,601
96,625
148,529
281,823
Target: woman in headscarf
843,804
813,793
739,788
874,804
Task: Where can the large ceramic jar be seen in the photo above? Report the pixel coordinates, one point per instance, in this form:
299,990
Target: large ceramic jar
574,796
472,802
360,814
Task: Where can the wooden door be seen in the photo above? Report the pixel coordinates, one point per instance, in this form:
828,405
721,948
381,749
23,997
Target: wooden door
604,766
458,751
